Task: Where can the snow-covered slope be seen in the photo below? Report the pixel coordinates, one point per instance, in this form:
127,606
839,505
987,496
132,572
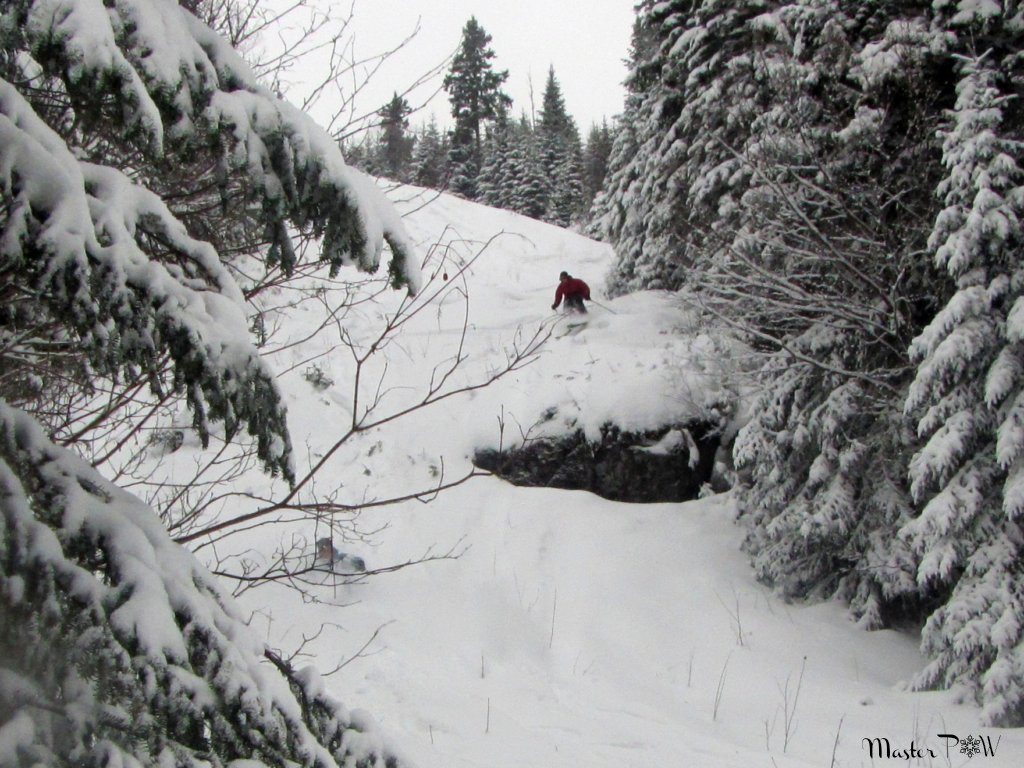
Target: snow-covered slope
572,631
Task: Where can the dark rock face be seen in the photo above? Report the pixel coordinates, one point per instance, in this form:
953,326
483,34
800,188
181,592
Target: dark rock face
622,466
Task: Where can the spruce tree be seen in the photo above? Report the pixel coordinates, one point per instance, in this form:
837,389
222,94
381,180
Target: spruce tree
464,165
779,160
495,187
561,156
596,154
636,187
816,260
395,146
430,158
968,398
474,90
119,648
527,182
95,215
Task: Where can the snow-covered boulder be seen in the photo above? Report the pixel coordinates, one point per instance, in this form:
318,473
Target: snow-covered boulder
668,464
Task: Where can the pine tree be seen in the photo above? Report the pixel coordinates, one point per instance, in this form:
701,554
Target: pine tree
613,203
463,162
430,158
267,155
396,147
813,260
968,398
778,159
526,180
119,648
823,488
596,154
474,90
566,199
561,157
495,187
635,190
552,135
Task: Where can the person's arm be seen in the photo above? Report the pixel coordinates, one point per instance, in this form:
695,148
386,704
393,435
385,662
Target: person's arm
586,291
558,297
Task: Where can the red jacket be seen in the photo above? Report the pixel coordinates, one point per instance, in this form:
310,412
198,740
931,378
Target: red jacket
572,287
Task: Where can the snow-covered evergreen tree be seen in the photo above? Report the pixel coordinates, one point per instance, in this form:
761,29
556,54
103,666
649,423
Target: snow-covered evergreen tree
613,204
108,259
596,151
526,181
687,56
134,142
780,158
495,185
824,486
430,157
813,261
118,648
566,199
463,165
395,145
561,156
474,90
968,399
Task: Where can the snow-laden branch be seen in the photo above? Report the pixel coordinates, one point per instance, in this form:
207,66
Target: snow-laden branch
178,85
80,236
107,103
118,643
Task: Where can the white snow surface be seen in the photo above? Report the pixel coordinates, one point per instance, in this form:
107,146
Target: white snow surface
571,631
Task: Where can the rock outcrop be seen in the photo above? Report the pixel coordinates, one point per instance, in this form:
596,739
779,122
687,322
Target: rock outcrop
669,464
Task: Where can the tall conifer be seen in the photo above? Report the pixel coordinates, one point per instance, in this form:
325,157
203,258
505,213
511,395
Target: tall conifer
474,90
968,399
560,155
395,145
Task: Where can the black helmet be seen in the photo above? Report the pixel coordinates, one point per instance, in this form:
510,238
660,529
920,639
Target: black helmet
563,276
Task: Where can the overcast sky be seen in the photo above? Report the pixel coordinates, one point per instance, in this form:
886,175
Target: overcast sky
585,40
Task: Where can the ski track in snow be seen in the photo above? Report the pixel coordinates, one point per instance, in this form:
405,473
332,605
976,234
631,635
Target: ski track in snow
575,631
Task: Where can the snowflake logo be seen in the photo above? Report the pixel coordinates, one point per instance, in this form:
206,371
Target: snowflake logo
970,746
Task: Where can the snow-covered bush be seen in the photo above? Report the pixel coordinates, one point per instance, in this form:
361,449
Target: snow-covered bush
821,462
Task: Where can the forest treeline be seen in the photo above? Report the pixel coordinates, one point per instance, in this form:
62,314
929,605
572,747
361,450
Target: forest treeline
533,164
840,183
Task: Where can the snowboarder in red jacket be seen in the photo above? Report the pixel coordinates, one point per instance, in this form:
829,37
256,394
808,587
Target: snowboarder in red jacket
573,290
